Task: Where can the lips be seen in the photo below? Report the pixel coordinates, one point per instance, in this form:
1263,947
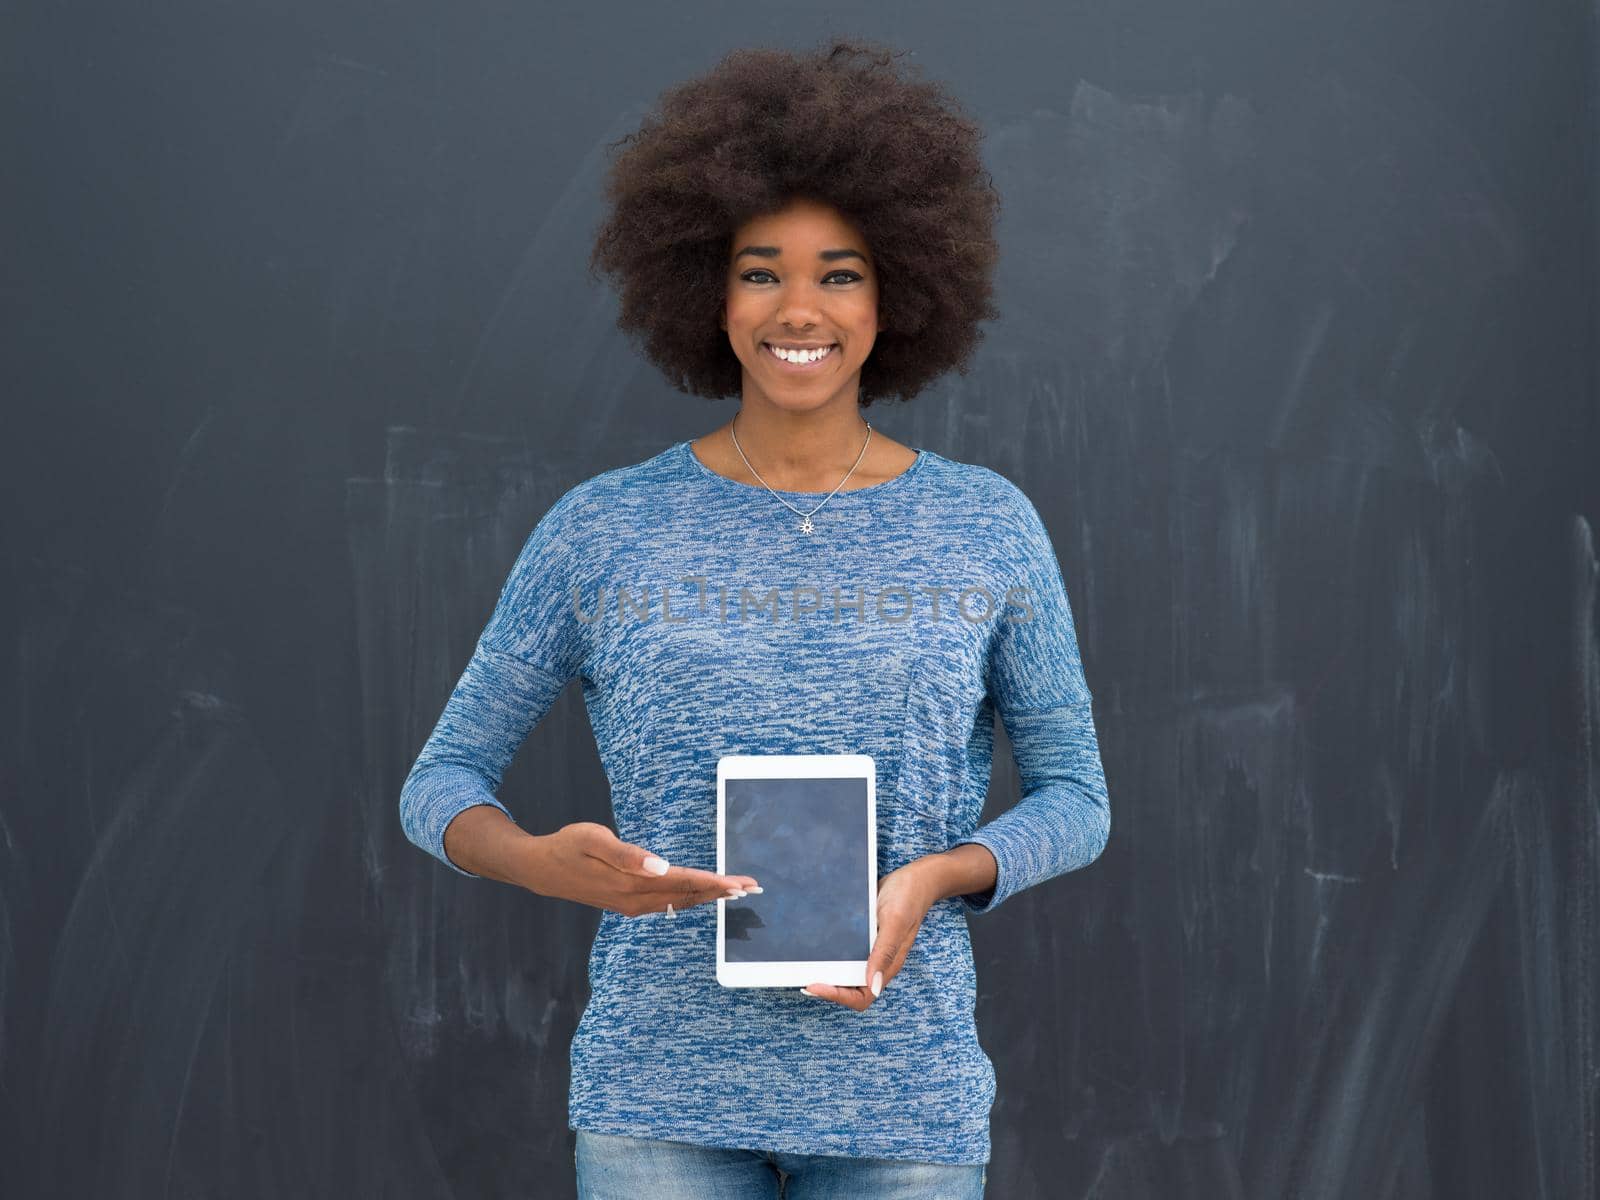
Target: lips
832,348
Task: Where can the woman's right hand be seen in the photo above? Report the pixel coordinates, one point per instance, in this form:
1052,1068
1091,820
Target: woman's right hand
587,862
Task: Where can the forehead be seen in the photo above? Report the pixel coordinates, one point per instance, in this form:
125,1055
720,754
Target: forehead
802,226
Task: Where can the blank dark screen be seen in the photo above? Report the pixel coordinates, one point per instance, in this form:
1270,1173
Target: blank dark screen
805,842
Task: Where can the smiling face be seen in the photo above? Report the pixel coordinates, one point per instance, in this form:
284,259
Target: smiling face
801,281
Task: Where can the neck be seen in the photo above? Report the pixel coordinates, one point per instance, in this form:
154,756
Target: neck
800,449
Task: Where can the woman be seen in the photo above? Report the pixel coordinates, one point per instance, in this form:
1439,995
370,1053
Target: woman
811,234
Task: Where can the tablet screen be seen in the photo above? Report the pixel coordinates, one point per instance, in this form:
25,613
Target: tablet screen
805,840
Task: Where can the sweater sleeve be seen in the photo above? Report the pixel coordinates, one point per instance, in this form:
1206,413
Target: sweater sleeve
530,648
1035,677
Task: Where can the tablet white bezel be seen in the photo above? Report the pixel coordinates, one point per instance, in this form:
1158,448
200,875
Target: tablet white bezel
845,972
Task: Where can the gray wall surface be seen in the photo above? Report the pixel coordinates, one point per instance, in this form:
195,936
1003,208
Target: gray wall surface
1297,362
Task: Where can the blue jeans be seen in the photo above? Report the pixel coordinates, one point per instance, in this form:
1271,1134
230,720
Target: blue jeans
612,1167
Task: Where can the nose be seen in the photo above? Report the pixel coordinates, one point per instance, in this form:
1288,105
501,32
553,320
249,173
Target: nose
798,306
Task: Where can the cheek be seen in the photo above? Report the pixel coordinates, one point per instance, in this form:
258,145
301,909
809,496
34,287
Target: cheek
867,313
736,315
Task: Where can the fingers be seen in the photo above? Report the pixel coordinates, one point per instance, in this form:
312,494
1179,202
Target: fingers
654,884
694,879
858,998
636,860
684,887
697,887
692,893
883,964
888,956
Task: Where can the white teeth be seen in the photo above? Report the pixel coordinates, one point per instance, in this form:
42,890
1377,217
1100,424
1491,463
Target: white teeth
799,356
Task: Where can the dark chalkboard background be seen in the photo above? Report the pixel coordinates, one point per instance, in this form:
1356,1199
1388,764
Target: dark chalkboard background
1297,361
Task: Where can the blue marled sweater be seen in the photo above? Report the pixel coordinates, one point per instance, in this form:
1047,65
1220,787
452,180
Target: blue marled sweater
701,621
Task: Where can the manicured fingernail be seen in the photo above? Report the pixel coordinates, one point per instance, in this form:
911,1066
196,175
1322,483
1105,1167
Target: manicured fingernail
807,990
755,889
877,983
656,865
733,895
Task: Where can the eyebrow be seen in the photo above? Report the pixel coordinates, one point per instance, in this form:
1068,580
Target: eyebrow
824,255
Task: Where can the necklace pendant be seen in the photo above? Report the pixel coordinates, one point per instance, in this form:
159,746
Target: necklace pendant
806,526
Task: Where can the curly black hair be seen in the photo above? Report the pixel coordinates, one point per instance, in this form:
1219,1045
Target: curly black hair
895,155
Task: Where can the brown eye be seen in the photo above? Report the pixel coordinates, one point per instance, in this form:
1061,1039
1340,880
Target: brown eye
849,276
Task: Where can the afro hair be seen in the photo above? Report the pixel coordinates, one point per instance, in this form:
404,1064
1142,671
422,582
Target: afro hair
895,155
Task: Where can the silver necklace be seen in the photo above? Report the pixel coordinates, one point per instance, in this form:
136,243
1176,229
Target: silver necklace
805,517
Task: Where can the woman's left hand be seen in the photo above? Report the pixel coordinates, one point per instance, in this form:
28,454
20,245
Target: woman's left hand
904,897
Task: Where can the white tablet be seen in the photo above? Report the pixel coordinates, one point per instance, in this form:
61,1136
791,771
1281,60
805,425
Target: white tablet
805,827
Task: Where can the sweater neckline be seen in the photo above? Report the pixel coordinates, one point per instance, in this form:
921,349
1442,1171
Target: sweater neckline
692,462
